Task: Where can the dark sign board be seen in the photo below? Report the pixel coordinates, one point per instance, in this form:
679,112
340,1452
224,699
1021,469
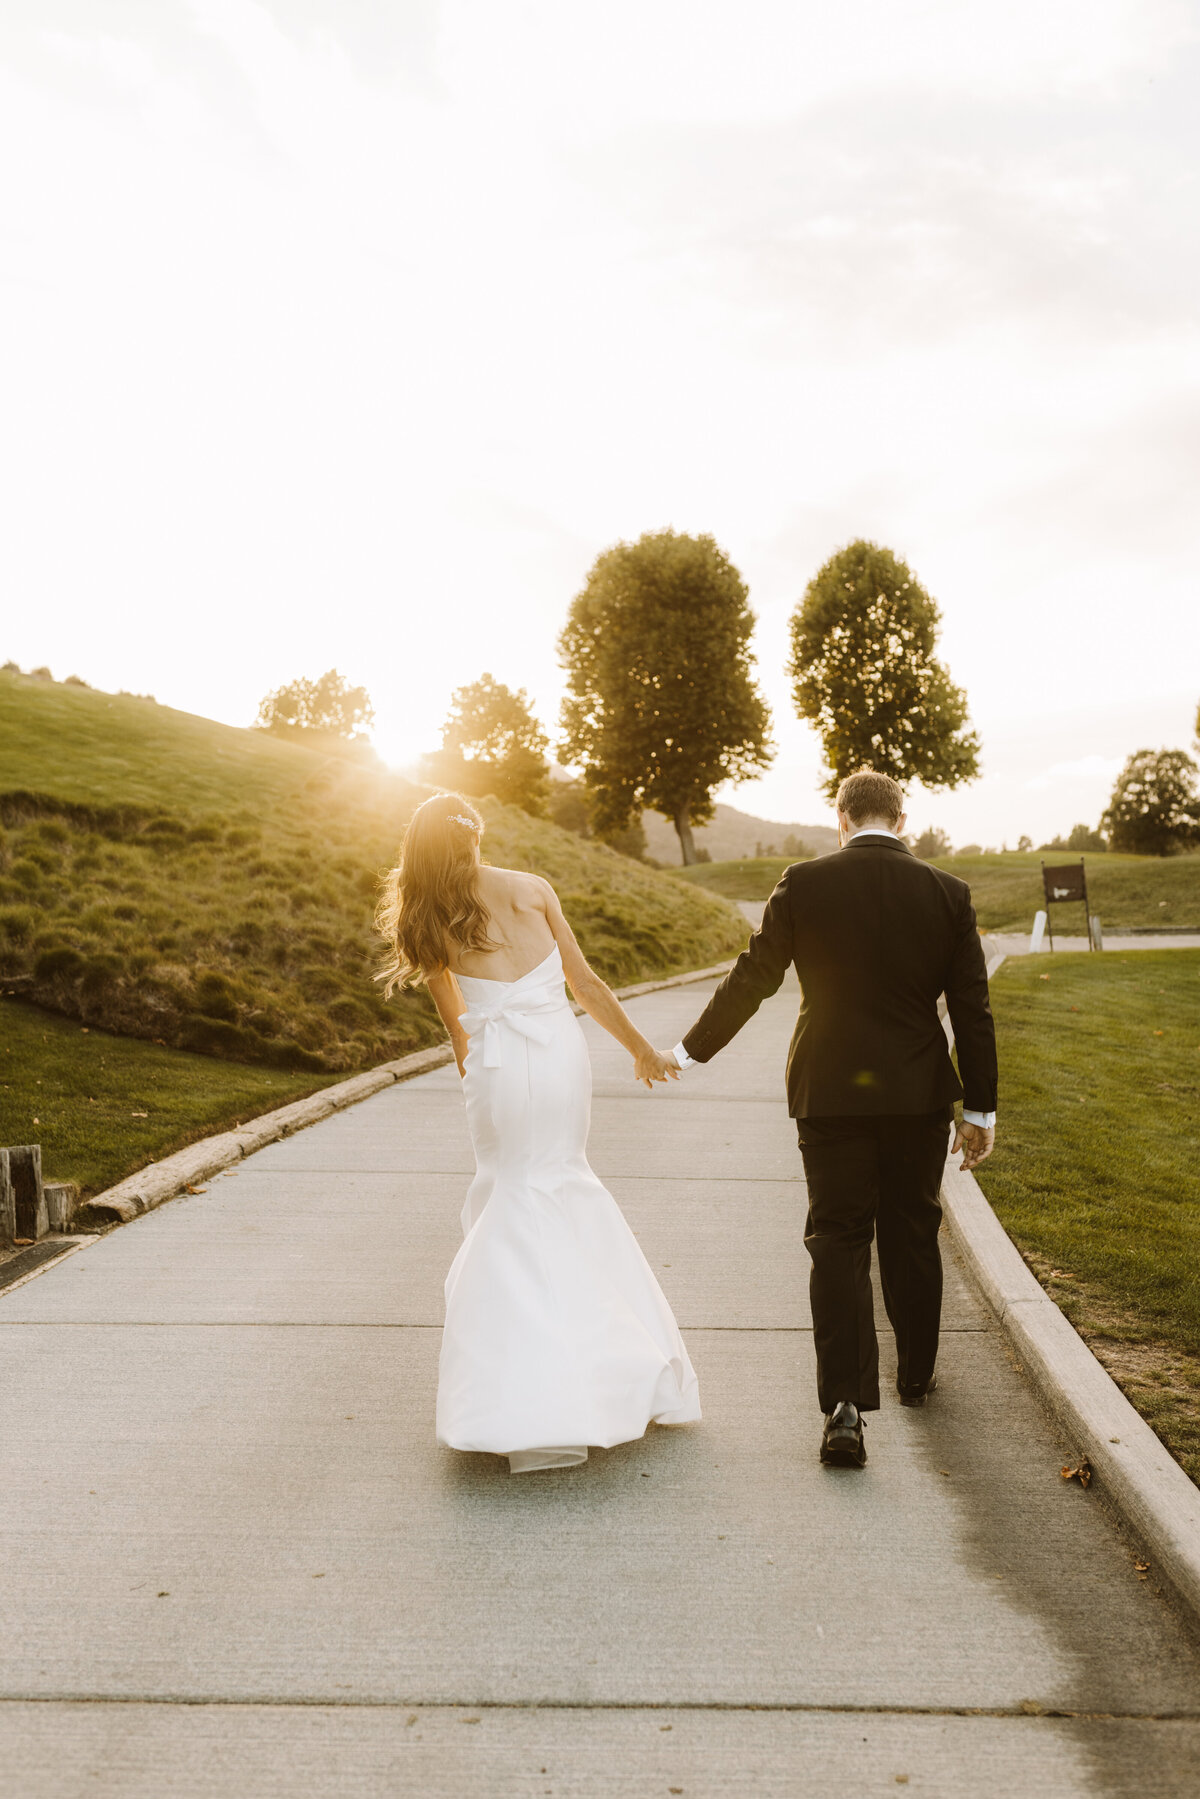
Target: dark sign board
1065,883
1068,882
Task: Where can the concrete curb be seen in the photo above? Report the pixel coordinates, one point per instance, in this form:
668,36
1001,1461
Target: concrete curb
164,1180
1146,1487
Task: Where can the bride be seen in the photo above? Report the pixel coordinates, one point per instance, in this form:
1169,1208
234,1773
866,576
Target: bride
557,1334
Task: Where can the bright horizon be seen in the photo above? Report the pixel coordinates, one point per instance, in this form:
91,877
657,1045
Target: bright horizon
350,340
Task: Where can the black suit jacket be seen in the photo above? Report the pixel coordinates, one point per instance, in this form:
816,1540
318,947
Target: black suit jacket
876,937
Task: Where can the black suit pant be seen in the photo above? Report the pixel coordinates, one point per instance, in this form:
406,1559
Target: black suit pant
876,1177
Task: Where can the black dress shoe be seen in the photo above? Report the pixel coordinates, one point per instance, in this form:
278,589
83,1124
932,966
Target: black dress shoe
916,1395
842,1443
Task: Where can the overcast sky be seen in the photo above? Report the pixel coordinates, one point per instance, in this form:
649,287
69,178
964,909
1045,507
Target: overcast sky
350,331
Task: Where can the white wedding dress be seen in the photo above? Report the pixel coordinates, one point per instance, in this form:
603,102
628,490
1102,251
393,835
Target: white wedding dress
557,1334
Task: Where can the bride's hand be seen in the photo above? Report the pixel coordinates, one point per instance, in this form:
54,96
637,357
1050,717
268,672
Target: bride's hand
650,1065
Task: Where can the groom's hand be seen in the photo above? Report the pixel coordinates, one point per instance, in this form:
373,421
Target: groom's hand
976,1143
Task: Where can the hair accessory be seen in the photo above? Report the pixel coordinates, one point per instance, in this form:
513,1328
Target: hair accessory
456,818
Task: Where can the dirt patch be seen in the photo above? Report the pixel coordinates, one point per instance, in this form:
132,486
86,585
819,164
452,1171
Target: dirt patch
1160,1381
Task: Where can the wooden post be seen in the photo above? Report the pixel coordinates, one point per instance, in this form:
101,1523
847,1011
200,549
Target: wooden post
25,1165
8,1210
62,1197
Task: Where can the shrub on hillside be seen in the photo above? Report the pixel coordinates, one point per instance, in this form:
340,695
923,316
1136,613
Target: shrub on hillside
931,843
1079,837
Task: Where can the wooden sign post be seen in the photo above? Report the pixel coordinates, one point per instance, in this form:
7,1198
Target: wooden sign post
25,1166
8,1204
1065,885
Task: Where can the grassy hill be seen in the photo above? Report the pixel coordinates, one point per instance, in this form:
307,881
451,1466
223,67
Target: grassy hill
1128,892
211,889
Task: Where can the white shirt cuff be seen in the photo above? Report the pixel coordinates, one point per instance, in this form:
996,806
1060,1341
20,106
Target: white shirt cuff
681,1056
985,1120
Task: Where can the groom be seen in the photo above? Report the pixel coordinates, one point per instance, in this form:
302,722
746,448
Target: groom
876,937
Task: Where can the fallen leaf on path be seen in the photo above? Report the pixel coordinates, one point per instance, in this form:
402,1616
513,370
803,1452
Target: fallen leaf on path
195,1189
1082,1474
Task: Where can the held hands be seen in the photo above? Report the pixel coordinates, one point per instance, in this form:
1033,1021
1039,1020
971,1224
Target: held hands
976,1143
650,1065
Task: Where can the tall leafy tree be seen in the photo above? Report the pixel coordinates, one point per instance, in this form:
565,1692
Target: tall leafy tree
864,672
1154,809
492,744
661,704
329,704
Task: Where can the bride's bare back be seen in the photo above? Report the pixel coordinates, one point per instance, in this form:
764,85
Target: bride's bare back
519,923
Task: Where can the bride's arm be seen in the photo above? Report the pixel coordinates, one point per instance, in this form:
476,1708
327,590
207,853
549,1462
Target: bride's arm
446,994
598,999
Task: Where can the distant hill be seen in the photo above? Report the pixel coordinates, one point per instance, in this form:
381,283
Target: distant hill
733,835
208,888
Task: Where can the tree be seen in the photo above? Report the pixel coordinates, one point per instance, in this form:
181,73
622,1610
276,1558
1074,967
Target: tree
329,704
1154,809
573,807
492,743
863,671
931,843
1024,844
661,704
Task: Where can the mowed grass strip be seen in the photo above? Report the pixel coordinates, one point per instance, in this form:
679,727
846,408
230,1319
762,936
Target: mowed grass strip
1098,1152
751,878
102,1107
1128,892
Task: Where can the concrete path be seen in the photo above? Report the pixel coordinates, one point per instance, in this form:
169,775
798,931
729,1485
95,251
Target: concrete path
235,1563
1017,943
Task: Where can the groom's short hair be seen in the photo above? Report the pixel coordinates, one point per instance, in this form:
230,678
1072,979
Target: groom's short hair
866,794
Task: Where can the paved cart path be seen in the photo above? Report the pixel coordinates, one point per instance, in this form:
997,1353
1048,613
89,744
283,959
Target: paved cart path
235,1562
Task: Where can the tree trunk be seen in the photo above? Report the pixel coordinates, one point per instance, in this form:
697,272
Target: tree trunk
683,824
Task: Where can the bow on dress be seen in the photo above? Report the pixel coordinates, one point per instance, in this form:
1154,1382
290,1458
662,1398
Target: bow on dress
518,1011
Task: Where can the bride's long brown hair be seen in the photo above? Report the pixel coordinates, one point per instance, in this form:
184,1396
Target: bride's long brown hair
431,898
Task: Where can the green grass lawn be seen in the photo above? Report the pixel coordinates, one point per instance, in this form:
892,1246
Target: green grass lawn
211,889
1095,1171
752,878
1128,892
102,1107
